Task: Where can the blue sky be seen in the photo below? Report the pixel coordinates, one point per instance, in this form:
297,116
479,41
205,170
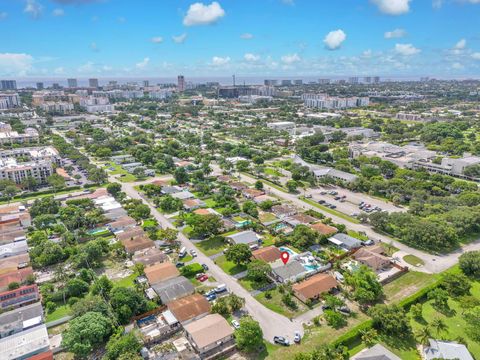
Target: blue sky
107,38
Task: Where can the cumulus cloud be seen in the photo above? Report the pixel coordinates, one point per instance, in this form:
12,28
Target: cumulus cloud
156,39
290,58
406,49
367,53
143,64
15,64
457,66
220,61
251,57
476,56
33,8
58,12
393,7
246,36
180,39
460,45
202,14
334,39
395,34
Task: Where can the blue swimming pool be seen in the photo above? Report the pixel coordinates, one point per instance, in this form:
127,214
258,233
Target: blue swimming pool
286,249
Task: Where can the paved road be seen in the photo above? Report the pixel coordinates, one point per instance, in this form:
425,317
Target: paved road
433,263
271,323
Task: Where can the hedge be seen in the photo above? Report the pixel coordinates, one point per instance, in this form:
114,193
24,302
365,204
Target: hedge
39,193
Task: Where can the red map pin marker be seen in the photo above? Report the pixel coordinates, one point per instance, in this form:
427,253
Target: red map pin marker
285,256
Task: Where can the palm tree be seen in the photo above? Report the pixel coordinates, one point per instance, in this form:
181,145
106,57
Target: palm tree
439,326
423,335
369,336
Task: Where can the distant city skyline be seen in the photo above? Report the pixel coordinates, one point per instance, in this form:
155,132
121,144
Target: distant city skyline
252,39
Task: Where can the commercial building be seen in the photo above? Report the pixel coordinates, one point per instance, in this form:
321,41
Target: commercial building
8,85
288,126
323,101
93,83
72,83
25,344
40,170
9,101
17,320
40,86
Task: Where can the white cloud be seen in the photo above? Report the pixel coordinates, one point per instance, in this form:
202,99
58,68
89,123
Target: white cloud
59,71
406,49
202,14
457,66
367,53
290,59
246,36
58,12
395,34
476,56
393,7
220,61
33,8
437,4
143,64
460,45
3,15
15,64
156,39
94,47
180,39
334,39
251,57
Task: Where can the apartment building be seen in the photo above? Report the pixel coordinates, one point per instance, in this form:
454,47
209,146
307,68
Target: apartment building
323,101
8,136
9,101
96,104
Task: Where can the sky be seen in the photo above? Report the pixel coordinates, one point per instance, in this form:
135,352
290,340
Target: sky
162,38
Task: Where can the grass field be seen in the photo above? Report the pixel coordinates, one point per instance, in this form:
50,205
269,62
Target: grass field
126,281
276,304
211,247
413,260
60,312
228,266
406,285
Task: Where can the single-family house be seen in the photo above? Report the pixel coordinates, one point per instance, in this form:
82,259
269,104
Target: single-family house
376,352
122,224
183,195
345,241
174,288
170,189
192,204
238,186
134,244
262,198
189,308
268,254
438,349
314,287
210,335
300,219
248,237
207,211
130,233
160,272
149,256
252,193
324,229
290,272
372,259
282,211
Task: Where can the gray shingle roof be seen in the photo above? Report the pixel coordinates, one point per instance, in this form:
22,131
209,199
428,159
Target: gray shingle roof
173,289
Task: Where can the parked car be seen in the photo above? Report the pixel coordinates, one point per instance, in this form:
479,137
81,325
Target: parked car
203,278
180,264
281,341
332,206
199,275
321,201
221,288
193,253
235,324
344,310
323,193
308,196
205,267
167,251
297,337
210,292
326,307
211,297
368,242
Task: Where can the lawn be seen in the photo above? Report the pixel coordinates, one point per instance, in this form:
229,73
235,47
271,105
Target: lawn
212,246
251,285
357,235
268,240
456,325
413,260
128,281
407,284
267,217
331,211
276,304
390,249
228,266
60,312
149,223
272,172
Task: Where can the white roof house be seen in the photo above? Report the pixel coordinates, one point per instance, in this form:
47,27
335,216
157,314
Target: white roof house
446,350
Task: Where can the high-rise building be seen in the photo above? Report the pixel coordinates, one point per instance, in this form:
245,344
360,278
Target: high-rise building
56,86
367,79
270,82
93,83
353,80
8,85
72,83
286,82
324,81
40,86
146,83
376,79
298,82
181,83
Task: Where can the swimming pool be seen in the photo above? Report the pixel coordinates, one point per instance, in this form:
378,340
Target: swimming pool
288,250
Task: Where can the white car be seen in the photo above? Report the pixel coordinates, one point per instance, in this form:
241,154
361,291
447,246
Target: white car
193,253
235,324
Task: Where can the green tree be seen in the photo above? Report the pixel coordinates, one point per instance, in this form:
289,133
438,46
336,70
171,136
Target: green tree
85,333
114,188
391,320
76,287
249,336
250,208
423,335
367,289
440,298
102,286
259,185
417,311
238,254
121,344
470,263
10,191
292,186
439,326
180,175
96,175
56,182
369,337
204,225
258,270
126,302
456,284
334,319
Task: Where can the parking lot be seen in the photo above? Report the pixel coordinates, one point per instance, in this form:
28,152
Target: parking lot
348,201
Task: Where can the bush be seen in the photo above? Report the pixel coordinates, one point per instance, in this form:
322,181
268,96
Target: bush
334,319
288,300
268,294
191,270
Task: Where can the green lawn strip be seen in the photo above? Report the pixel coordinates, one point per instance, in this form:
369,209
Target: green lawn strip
413,260
39,196
228,266
407,284
128,281
60,312
331,211
357,235
211,247
268,240
251,285
186,258
389,248
269,183
272,172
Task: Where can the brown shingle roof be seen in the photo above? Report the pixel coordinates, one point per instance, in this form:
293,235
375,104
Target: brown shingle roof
324,229
161,272
137,243
189,307
268,254
315,286
149,256
130,233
